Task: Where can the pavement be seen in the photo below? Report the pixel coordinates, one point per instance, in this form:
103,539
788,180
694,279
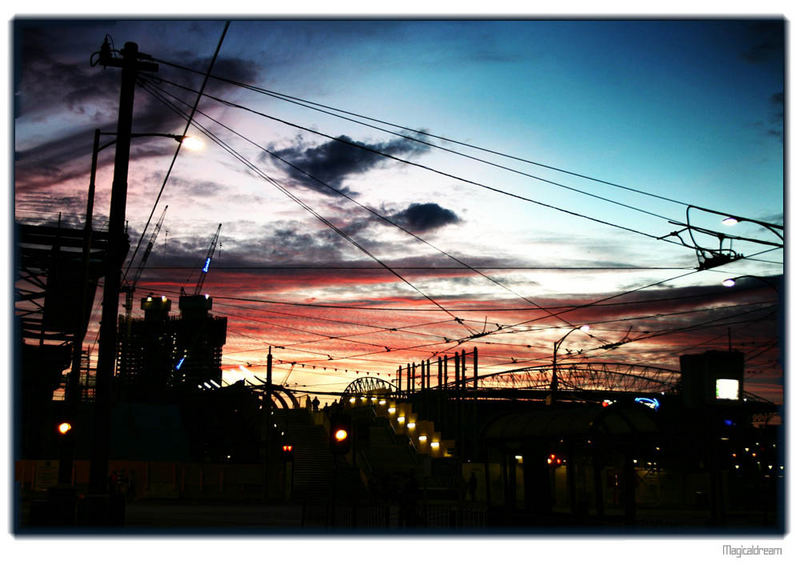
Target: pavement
145,514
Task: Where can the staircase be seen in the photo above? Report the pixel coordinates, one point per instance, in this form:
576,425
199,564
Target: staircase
313,461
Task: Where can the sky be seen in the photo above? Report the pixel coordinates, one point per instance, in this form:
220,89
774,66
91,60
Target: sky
396,190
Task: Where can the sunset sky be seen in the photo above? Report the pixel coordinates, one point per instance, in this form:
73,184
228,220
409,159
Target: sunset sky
493,184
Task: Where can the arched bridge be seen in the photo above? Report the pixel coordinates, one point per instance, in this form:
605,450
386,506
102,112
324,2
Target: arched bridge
594,376
576,378
368,385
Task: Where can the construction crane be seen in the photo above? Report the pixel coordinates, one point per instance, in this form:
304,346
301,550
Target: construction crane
130,286
206,265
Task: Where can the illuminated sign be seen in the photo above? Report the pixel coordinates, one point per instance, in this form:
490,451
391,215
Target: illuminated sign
208,264
727,389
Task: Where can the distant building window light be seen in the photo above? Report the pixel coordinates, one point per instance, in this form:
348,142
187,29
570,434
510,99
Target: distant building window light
728,389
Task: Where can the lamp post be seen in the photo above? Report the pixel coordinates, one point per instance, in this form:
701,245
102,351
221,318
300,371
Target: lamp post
556,346
72,393
731,282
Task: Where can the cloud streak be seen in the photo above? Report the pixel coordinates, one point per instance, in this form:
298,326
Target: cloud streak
334,161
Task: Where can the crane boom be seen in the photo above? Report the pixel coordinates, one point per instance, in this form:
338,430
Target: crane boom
130,286
207,264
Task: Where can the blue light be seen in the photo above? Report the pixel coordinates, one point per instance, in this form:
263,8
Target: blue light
208,264
180,363
728,423
650,402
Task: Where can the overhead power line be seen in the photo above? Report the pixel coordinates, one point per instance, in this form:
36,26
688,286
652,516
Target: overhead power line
313,212
332,111
435,170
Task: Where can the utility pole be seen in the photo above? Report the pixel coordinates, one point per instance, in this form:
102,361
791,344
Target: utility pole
266,404
117,249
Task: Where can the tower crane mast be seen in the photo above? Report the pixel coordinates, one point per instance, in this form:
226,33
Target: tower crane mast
130,286
207,264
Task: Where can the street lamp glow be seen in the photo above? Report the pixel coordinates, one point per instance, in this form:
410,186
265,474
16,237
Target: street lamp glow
192,143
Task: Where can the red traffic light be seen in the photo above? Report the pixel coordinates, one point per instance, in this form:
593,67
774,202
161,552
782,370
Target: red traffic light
287,448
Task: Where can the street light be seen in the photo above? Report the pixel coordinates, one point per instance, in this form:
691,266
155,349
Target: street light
556,346
107,351
72,391
731,282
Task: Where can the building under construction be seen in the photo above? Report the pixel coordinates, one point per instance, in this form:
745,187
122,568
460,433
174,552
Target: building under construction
160,352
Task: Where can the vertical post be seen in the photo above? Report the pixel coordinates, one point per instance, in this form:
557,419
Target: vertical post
439,372
458,373
459,438
408,379
475,368
117,248
427,364
266,403
400,379
463,370
72,395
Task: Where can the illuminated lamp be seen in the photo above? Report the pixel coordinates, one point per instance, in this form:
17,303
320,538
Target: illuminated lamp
340,435
392,410
729,283
411,424
423,438
382,402
401,419
352,400
730,221
727,389
192,142
435,445
64,427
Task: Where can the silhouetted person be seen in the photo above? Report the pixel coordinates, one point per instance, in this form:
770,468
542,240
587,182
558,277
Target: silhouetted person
315,404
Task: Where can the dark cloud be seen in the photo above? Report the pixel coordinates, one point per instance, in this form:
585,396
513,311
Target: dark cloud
421,217
777,116
335,160
764,42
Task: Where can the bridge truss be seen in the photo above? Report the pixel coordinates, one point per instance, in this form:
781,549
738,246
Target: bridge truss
594,376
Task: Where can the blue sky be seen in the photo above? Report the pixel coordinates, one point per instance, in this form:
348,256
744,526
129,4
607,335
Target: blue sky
683,112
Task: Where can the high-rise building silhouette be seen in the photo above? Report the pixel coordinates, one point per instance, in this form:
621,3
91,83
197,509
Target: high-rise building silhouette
160,352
